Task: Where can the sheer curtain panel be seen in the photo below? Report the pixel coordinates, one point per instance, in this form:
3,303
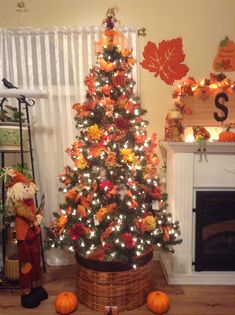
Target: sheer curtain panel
56,60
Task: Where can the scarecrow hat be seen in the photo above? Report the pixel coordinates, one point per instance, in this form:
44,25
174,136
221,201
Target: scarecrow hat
16,177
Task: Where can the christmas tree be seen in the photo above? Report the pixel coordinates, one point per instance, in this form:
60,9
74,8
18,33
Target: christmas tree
114,208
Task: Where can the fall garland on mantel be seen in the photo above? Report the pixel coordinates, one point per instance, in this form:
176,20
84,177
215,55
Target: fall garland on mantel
203,89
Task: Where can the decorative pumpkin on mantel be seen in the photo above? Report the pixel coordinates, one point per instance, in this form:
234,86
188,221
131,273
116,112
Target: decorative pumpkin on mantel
66,303
227,135
158,302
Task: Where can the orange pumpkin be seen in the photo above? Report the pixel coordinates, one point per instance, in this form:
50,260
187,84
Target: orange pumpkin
227,136
158,302
66,303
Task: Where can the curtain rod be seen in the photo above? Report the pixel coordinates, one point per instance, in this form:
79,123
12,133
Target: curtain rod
79,29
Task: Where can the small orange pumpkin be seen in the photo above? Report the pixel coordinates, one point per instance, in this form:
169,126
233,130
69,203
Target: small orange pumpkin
66,303
227,136
158,302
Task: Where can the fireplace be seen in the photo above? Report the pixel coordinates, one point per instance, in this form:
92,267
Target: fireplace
215,231
201,193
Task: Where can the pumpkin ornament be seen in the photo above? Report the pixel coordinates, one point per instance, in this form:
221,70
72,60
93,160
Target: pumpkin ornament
66,303
227,136
158,302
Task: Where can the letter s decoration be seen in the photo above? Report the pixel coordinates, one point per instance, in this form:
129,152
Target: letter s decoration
221,106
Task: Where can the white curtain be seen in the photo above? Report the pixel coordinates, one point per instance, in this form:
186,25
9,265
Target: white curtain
56,60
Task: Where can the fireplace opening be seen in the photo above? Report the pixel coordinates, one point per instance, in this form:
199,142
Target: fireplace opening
215,231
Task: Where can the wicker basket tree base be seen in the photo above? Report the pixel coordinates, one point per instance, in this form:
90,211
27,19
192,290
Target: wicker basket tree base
126,289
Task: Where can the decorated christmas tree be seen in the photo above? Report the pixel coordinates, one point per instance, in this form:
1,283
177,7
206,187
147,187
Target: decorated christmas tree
114,208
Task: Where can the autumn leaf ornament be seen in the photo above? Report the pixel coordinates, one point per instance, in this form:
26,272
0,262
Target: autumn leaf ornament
165,60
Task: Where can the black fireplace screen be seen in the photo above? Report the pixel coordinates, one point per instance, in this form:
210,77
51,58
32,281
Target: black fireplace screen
215,231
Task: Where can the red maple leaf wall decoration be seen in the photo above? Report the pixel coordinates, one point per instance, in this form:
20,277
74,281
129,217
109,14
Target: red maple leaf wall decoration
165,60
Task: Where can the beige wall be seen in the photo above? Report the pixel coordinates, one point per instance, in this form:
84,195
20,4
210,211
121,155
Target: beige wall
201,24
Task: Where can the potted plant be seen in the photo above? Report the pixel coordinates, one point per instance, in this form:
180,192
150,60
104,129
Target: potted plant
11,262
10,118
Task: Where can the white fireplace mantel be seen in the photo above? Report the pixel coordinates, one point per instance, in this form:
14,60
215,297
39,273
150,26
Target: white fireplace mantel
190,170
192,147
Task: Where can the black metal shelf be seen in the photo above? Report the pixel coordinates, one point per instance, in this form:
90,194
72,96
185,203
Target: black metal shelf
23,104
13,151
7,285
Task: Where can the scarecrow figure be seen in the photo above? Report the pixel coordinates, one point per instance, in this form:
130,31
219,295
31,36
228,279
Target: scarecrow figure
20,195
